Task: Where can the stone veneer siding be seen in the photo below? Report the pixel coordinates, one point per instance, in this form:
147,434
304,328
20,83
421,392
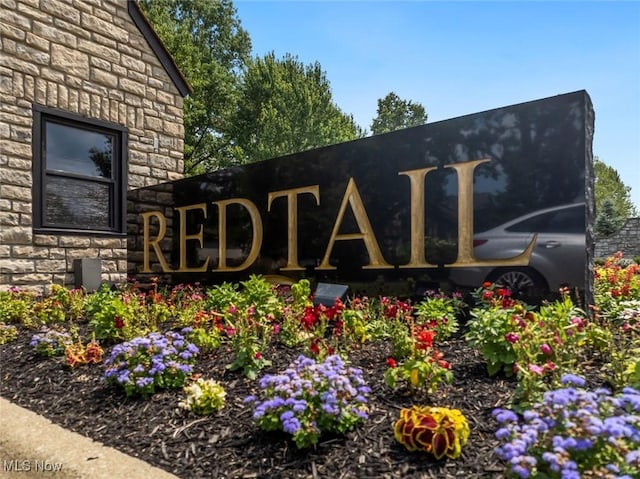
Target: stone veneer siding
627,240
89,58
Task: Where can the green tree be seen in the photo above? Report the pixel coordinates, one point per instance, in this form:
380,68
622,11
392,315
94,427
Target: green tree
395,113
286,107
210,46
608,221
608,184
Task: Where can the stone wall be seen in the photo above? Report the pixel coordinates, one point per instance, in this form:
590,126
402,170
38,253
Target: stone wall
626,240
87,57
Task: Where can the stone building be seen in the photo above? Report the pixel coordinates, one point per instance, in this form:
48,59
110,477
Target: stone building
91,105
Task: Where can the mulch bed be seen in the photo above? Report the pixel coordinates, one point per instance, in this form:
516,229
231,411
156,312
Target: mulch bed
229,445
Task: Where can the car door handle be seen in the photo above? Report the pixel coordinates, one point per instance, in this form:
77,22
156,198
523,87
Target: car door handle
552,244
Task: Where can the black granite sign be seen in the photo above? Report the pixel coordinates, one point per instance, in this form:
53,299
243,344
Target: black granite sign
502,195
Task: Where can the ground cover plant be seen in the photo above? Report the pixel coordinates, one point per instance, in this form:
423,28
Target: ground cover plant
251,380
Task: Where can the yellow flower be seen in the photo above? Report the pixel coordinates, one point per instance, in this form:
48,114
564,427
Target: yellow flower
436,430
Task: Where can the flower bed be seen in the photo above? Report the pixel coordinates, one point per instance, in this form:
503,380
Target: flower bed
249,381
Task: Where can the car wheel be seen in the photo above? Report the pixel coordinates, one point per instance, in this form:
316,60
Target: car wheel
522,282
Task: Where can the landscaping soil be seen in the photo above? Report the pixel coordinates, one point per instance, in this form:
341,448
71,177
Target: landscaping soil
229,444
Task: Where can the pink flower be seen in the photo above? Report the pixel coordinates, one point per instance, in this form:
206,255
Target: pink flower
232,309
511,337
546,349
535,369
518,320
276,328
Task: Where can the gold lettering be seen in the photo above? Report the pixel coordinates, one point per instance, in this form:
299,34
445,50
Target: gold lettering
162,230
416,178
465,223
352,197
256,226
292,221
184,237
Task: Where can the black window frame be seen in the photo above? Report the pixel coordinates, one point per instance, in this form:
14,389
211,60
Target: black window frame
118,200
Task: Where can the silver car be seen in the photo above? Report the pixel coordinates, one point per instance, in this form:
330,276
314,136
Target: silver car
558,258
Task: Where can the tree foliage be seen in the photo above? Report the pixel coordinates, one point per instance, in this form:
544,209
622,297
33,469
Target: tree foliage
608,221
210,46
609,185
286,107
395,113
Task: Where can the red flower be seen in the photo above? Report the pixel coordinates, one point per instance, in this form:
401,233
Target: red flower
503,292
391,362
425,339
507,303
258,355
444,364
119,323
309,318
390,311
315,348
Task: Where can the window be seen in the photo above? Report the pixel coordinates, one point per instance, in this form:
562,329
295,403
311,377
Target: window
80,173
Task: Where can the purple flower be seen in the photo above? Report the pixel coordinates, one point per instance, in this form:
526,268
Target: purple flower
310,386
504,415
633,457
573,380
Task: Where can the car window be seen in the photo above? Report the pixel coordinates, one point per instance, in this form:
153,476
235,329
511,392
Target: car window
566,220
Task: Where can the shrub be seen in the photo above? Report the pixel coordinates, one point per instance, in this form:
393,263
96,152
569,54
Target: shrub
144,364
493,327
613,284
311,398
51,342
117,315
435,430
8,333
550,343
16,306
573,432
71,301
203,396
78,354
617,306
424,368
440,312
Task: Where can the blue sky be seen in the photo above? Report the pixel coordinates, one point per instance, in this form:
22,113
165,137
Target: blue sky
457,58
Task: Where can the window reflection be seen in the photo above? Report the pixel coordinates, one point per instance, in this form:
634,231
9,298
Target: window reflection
79,203
79,151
